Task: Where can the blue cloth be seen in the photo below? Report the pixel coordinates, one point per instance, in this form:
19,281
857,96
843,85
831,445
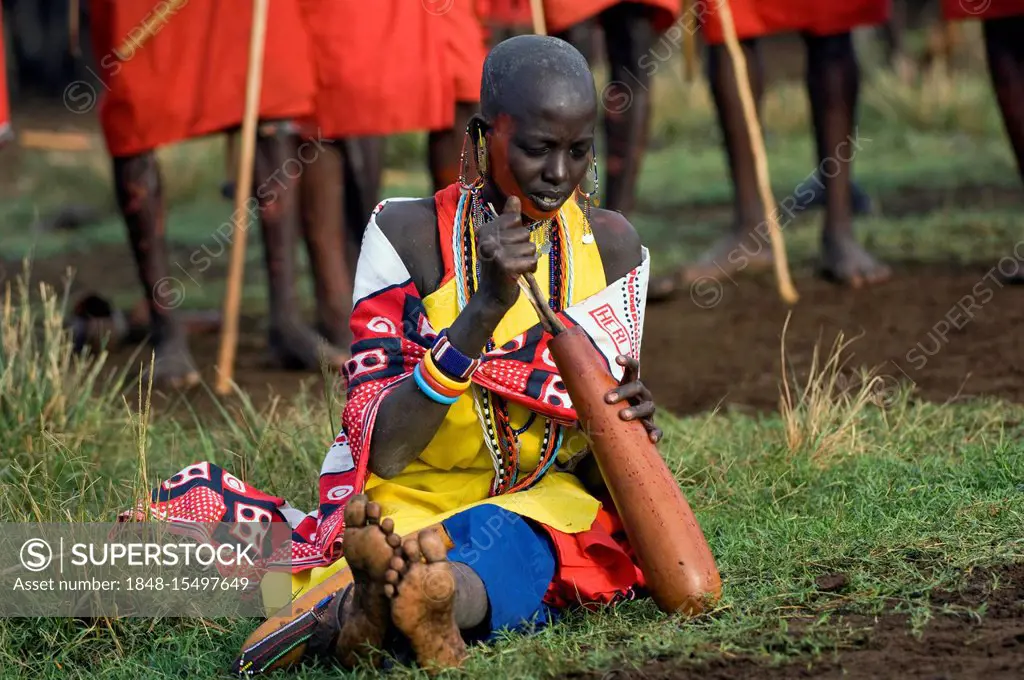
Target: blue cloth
514,559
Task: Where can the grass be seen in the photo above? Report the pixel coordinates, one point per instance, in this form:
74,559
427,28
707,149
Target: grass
899,495
927,490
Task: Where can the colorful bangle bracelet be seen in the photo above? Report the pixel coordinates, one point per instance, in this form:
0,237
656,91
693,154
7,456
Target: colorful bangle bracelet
438,387
426,389
450,360
439,376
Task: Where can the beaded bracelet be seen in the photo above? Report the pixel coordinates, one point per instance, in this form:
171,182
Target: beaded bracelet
428,390
450,360
430,368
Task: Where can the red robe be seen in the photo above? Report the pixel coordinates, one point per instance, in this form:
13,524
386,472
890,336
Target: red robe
981,9
188,80
392,66
559,15
5,110
757,18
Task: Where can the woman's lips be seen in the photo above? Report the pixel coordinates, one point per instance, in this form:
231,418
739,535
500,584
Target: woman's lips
547,200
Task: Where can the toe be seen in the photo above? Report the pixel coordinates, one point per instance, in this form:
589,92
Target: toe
393,539
355,511
411,548
373,513
432,546
387,525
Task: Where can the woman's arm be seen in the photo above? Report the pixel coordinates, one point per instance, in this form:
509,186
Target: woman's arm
408,419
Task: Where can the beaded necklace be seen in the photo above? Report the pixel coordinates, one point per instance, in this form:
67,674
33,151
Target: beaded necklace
501,437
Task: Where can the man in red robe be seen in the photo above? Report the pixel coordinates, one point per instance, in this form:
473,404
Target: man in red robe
833,83
396,66
176,70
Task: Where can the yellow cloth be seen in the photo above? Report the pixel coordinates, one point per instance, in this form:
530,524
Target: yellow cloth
455,471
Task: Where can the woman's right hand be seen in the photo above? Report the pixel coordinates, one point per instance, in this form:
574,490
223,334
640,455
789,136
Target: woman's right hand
505,253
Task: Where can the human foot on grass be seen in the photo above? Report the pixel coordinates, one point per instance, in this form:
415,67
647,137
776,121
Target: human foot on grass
421,585
734,253
297,347
846,262
370,545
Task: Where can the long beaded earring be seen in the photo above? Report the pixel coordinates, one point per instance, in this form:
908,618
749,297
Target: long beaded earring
481,152
588,189
464,161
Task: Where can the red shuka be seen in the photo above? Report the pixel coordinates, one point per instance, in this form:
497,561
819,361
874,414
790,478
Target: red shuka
391,66
560,15
188,79
757,18
981,9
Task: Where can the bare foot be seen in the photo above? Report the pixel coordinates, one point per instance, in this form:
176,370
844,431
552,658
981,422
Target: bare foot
370,544
421,585
731,254
345,616
297,347
846,262
173,365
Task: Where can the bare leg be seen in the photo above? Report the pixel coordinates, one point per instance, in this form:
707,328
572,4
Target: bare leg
363,159
323,226
743,247
137,183
292,343
1004,49
1005,54
833,81
629,36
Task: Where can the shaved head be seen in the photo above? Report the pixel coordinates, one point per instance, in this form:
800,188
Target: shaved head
521,73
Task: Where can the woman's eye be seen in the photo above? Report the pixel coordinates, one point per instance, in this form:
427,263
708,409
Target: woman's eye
535,150
579,153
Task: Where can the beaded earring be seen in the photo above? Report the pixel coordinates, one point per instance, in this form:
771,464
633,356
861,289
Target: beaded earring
481,152
588,189
464,183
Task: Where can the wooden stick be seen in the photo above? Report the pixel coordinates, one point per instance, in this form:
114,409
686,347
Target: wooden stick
74,28
540,25
236,269
52,140
689,42
782,277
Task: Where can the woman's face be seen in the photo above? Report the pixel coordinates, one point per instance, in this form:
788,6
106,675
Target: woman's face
542,156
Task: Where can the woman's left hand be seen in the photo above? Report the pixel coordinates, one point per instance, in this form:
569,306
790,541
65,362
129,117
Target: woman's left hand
641,403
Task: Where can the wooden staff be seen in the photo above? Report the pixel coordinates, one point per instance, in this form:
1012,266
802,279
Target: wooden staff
243,189
782,277
540,24
689,42
74,28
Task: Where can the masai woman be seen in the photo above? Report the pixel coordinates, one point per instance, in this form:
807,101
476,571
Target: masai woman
459,498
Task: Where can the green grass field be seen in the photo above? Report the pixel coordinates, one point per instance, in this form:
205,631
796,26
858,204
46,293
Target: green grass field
901,499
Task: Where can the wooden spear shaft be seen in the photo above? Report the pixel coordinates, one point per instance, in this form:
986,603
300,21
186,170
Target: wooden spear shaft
739,62
243,184
540,26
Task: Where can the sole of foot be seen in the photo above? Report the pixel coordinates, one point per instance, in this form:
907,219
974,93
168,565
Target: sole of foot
346,616
421,585
370,546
